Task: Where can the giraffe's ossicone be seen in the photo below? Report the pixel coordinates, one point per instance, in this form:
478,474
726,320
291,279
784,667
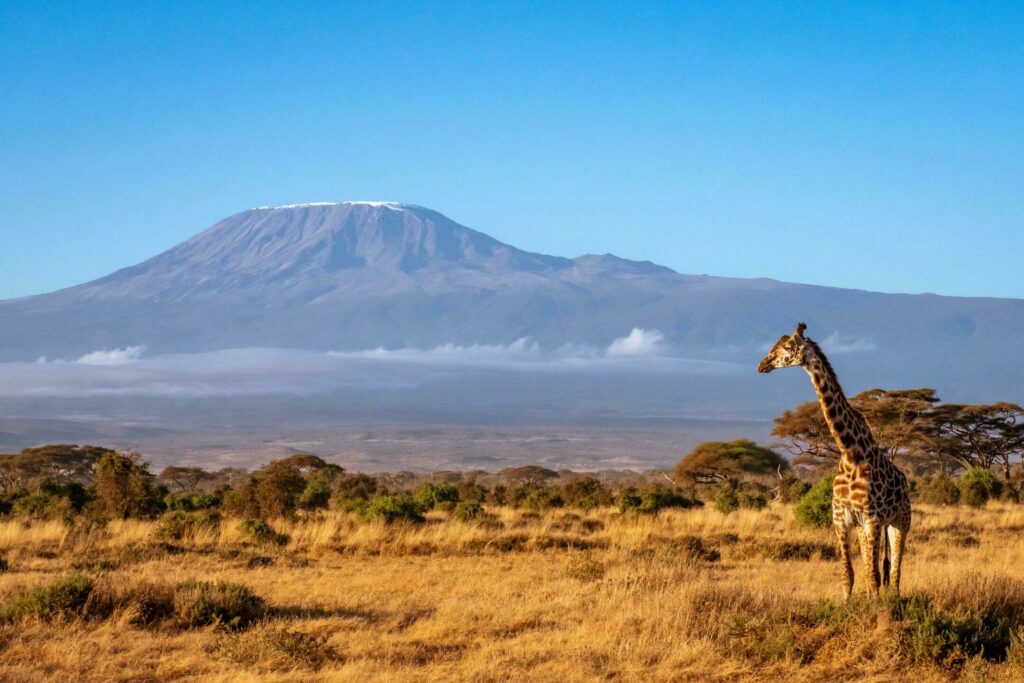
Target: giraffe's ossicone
869,494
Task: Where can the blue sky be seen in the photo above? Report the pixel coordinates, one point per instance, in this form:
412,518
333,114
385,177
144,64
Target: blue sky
878,146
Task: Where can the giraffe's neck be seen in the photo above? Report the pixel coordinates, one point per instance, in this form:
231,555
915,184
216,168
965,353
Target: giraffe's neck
856,444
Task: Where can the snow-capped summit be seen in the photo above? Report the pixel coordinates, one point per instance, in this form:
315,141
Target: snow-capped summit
397,206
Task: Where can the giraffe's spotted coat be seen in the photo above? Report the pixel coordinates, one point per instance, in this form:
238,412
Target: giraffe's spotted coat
870,494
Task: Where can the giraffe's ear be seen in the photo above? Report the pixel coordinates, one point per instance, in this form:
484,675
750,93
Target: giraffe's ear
800,330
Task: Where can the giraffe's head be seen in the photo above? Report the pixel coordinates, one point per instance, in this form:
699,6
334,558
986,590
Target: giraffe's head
788,352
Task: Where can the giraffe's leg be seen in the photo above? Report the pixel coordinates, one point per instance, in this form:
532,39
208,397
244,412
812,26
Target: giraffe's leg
869,554
843,532
886,548
897,540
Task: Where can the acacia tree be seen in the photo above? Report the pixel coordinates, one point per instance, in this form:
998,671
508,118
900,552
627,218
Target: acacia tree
528,475
729,461
978,435
899,420
187,479
60,463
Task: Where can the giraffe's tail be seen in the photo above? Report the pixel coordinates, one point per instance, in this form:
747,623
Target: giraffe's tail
886,556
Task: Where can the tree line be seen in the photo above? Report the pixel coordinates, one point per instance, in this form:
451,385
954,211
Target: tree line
931,441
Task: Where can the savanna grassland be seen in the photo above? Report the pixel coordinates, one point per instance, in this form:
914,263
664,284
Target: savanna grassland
690,594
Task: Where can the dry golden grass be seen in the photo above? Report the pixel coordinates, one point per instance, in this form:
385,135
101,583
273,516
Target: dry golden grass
686,595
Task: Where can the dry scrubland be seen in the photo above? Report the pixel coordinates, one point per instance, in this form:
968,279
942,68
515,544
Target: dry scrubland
683,595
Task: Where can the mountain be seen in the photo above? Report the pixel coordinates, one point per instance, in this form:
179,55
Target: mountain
362,275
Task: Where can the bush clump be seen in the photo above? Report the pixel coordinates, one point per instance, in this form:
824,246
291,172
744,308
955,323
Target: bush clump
951,636
390,509
654,499
196,501
352,490
316,495
734,496
65,598
937,490
814,509
226,605
791,488
469,513
431,495
978,486
259,532
531,497
48,500
587,493
240,501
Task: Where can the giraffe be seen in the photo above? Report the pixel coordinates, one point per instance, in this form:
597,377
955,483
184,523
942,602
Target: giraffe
869,493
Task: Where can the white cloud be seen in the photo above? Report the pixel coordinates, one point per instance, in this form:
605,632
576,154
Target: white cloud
837,343
111,357
640,342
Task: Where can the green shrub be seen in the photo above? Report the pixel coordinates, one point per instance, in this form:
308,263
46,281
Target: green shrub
734,496
350,489
316,495
468,513
937,490
226,605
533,497
259,532
814,509
197,501
587,493
726,500
241,500
654,499
959,631
752,499
978,486
63,599
791,488
41,505
390,509
472,492
49,500
431,495
279,484
629,500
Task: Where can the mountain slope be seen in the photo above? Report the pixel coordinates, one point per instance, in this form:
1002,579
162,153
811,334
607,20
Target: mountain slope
361,275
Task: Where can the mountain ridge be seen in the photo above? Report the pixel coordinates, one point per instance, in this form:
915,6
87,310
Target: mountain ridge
354,276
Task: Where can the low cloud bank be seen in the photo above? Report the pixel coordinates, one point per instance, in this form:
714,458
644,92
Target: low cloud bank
127,371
